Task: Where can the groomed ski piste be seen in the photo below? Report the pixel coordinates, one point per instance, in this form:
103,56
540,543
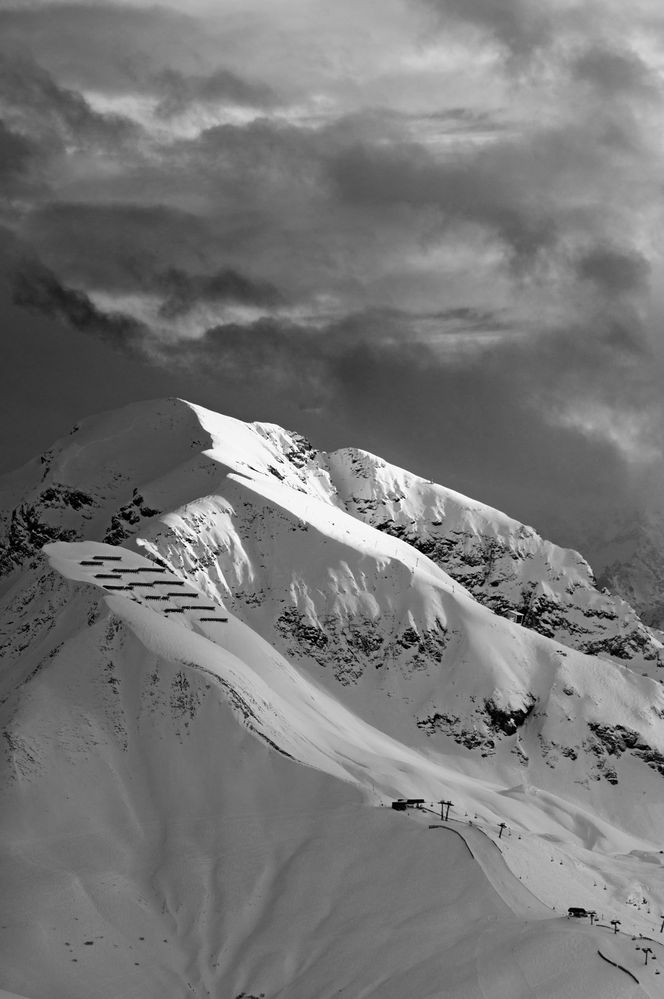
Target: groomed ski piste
205,723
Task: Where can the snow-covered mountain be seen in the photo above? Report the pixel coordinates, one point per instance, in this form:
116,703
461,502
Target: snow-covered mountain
230,642
505,565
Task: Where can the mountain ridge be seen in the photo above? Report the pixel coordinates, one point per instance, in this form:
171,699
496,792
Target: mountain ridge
503,563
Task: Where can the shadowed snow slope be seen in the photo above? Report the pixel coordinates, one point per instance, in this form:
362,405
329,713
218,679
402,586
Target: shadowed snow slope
236,651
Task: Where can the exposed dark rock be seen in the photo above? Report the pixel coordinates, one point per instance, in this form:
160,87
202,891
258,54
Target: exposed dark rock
508,720
450,725
496,573
302,451
125,521
614,740
292,624
184,698
33,524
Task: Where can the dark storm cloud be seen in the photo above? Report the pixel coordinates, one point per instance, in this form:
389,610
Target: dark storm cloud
37,288
267,173
30,94
613,270
179,91
268,183
464,120
356,342
260,144
106,45
306,362
262,202
614,72
520,26
16,152
475,189
120,246
467,318
128,247
183,291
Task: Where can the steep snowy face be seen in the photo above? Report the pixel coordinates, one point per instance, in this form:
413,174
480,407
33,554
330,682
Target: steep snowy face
506,566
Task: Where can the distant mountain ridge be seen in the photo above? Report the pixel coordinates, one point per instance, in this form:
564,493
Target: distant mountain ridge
628,555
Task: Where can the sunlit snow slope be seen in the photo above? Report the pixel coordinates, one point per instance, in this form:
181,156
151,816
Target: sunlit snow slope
235,651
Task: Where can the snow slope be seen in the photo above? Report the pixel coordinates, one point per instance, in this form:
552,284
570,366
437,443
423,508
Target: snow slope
505,565
191,797
179,854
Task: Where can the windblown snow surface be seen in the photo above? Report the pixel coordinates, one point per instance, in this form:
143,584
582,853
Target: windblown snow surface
226,653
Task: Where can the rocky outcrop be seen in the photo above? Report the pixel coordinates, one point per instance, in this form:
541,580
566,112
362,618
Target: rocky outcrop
616,740
125,522
57,513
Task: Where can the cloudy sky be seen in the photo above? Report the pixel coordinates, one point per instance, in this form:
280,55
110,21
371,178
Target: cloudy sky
430,228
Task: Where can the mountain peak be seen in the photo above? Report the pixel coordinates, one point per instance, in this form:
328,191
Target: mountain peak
223,650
